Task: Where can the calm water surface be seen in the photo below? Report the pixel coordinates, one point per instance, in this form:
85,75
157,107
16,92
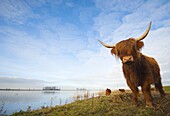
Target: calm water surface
14,101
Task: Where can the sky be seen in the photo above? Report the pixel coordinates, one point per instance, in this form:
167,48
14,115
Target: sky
55,42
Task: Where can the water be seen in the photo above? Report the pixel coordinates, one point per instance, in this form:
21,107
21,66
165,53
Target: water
14,101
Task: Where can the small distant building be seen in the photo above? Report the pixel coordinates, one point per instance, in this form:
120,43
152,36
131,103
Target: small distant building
51,88
81,89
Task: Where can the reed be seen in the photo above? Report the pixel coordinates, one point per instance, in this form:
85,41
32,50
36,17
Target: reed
2,108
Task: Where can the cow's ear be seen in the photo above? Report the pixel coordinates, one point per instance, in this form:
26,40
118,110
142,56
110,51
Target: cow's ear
140,44
113,51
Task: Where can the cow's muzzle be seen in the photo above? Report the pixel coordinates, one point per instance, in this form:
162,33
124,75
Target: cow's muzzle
128,60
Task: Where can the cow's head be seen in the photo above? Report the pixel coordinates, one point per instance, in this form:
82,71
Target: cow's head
128,50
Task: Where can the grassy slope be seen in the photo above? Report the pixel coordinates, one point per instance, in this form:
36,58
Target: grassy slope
167,88
117,104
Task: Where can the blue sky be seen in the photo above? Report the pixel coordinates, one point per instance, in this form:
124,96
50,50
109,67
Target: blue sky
54,42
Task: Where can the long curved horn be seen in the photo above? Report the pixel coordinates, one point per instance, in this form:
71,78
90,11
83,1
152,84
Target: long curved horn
145,34
107,46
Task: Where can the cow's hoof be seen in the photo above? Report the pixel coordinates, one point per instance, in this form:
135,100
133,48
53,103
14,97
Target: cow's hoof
138,104
149,105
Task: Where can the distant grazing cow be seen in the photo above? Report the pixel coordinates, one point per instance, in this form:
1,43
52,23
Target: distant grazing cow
138,69
108,91
122,90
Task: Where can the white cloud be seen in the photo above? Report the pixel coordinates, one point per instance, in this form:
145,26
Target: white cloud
118,5
133,24
17,11
139,14
47,55
67,54
69,4
13,82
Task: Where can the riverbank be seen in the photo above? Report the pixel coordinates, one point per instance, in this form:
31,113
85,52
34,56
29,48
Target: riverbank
9,89
116,104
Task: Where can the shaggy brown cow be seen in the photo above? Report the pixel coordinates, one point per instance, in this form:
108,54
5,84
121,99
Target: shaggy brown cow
138,69
122,90
108,91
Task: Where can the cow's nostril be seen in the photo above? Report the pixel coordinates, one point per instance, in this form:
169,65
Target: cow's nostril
124,59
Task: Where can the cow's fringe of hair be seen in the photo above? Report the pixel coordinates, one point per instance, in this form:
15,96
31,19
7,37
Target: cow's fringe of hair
116,55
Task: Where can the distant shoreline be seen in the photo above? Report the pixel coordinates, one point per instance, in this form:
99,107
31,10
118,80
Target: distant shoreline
44,90
21,90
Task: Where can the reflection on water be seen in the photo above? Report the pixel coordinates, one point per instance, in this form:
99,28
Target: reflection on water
14,101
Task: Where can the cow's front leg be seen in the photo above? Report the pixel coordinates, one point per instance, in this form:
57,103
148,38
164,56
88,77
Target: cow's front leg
147,94
134,94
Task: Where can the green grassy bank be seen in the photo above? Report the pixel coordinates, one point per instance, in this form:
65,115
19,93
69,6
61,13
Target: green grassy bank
117,104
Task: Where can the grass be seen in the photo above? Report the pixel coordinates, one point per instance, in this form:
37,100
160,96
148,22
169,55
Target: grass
117,104
166,88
